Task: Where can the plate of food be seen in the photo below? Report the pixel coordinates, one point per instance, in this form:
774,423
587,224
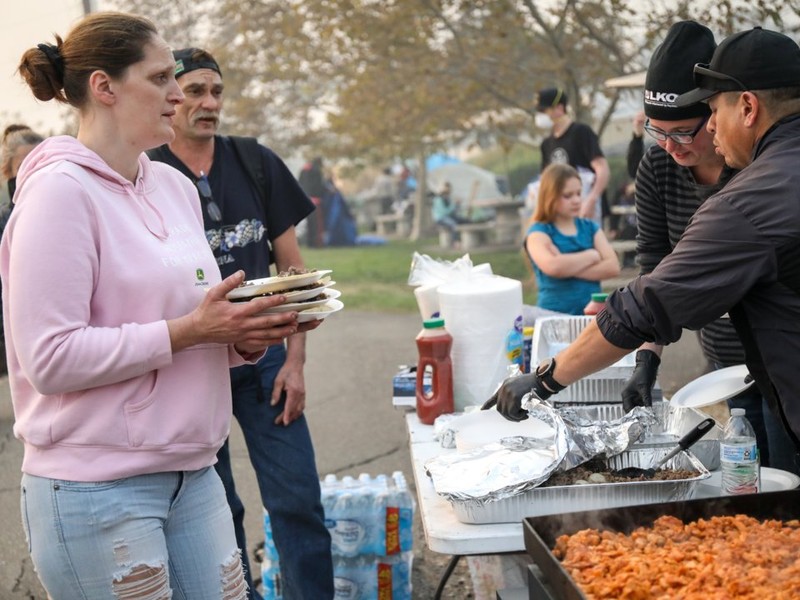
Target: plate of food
320,312
309,291
318,300
268,286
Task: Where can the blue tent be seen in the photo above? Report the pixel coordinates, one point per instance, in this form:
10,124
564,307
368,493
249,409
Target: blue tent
435,161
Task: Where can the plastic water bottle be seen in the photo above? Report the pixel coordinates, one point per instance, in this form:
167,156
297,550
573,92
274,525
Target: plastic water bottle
739,456
270,566
514,344
329,490
375,501
354,578
406,504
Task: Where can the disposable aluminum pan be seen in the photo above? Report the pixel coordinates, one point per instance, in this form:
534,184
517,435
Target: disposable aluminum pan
553,334
674,423
558,499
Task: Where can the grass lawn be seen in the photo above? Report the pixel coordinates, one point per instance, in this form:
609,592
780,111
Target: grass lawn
374,278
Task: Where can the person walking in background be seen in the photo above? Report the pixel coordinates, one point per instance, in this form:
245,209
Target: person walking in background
674,178
570,255
248,229
573,144
120,392
18,141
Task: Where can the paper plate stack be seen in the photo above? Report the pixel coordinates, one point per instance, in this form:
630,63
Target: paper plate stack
311,294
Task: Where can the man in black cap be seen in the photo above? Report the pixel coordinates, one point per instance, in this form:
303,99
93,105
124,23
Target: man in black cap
740,252
675,177
250,213
573,144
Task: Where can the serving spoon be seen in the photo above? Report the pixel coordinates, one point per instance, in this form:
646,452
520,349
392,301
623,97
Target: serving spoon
691,438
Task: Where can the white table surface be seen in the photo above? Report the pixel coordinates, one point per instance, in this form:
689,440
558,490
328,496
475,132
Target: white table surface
445,534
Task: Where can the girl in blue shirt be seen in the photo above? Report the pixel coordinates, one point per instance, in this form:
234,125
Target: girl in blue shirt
570,255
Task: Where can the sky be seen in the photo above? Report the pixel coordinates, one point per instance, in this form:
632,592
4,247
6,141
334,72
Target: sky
24,24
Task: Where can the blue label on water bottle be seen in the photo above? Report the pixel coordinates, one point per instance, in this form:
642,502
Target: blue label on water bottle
739,453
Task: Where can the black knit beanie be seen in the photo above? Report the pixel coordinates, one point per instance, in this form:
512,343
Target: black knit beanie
670,73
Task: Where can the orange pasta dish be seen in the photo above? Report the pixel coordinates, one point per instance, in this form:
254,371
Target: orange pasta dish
721,558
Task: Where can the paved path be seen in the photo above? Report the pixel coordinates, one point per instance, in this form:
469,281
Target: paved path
352,359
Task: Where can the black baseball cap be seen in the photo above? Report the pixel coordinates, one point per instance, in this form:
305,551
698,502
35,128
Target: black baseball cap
758,59
549,98
191,59
670,71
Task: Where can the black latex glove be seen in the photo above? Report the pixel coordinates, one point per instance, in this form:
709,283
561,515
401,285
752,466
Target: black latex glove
508,397
639,389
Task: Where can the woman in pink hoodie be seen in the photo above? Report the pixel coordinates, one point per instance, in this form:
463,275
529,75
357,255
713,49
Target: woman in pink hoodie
119,334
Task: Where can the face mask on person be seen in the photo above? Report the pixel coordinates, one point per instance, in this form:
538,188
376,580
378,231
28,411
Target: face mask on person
543,121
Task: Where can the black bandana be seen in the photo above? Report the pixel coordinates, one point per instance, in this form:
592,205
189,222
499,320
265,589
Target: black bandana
185,63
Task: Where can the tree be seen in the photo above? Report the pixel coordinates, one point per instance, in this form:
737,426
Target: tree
381,79
373,77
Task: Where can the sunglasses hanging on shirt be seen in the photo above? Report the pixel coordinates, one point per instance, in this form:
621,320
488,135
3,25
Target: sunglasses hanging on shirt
212,208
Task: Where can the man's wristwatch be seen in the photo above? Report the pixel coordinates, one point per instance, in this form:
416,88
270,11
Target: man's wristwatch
544,373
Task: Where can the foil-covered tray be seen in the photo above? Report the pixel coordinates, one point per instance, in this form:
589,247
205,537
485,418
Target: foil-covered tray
559,499
673,423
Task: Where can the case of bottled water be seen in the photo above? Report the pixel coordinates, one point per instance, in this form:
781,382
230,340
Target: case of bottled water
370,521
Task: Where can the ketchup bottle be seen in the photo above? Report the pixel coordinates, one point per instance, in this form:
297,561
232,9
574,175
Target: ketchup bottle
596,304
433,344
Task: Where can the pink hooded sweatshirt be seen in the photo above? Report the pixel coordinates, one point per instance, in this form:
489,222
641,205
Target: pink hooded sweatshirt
92,266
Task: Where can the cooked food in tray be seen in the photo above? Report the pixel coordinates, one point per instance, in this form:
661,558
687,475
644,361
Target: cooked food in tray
597,471
720,557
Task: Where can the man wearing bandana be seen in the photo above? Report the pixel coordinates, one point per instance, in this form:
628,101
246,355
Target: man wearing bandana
247,228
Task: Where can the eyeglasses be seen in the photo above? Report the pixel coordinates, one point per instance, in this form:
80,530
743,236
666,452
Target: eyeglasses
682,138
212,208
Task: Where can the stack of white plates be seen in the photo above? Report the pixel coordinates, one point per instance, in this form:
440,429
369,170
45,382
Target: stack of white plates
311,294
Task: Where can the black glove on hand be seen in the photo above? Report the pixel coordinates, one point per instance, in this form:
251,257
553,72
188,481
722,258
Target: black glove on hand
509,397
638,390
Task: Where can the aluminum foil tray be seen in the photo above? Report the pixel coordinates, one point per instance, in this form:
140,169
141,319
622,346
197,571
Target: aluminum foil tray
591,391
674,423
559,499
552,334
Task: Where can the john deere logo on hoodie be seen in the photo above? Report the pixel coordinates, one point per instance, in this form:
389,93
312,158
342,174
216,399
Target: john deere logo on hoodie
200,275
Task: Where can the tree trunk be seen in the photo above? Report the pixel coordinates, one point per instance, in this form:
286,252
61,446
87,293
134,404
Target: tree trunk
423,221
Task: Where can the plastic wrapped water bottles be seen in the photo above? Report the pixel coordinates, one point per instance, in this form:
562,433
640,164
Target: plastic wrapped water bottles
370,521
405,503
739,456
270,565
